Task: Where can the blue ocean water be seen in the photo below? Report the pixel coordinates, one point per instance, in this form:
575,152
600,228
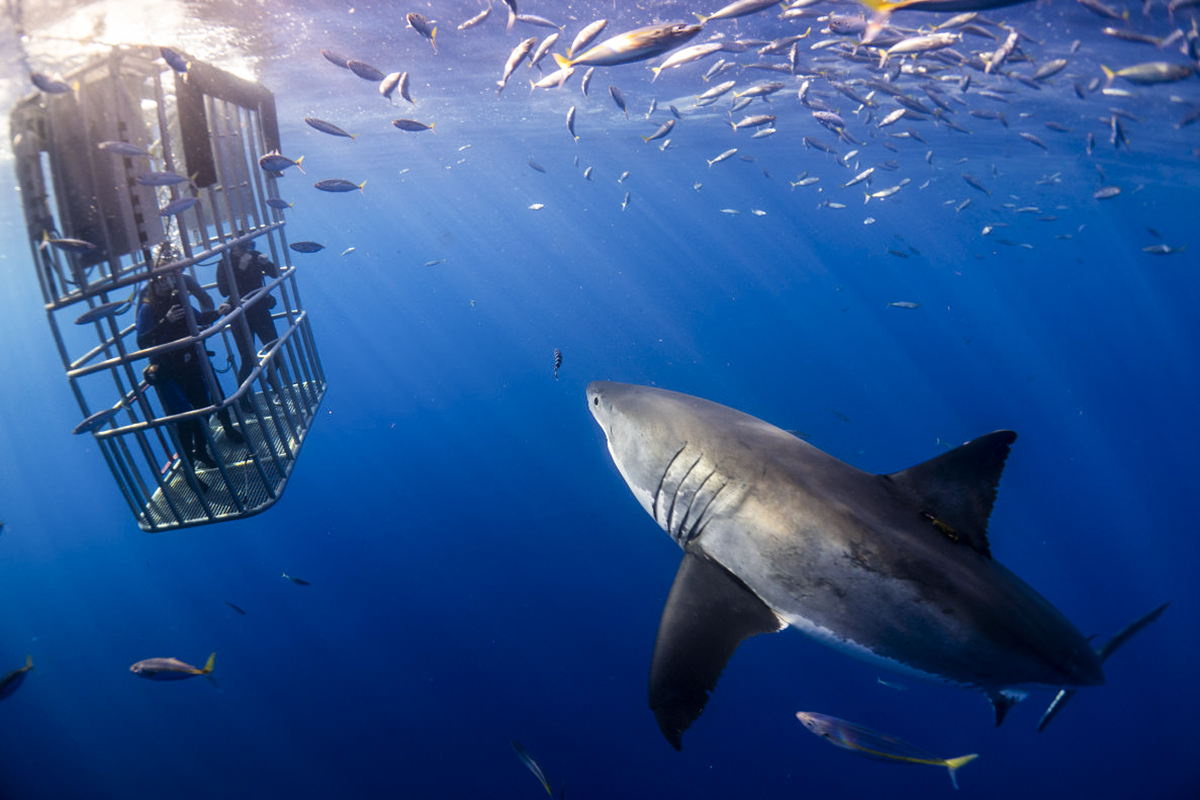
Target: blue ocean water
479,571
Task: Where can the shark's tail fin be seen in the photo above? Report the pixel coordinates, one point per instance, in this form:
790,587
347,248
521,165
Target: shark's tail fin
954,764
1104,651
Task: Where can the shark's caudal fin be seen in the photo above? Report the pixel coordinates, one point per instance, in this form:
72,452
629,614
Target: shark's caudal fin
708,614
1104,651
957,490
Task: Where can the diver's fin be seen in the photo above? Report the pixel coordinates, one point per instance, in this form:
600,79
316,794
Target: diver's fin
709,612
1104,651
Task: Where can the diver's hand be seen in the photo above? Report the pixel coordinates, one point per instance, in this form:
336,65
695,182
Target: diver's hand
175,314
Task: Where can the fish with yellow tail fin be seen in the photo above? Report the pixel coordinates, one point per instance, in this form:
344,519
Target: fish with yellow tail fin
635,45
884,8
875,745
171,669
533,766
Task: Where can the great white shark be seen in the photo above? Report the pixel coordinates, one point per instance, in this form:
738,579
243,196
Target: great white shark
894,569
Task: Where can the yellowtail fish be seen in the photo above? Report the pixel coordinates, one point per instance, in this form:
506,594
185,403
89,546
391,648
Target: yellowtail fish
170,669
884,8
875,745
528,761
11,681
738,8
635,45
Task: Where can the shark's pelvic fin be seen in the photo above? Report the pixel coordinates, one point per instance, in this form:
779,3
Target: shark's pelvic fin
956,490
709,612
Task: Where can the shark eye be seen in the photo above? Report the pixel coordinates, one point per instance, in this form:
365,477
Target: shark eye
595,401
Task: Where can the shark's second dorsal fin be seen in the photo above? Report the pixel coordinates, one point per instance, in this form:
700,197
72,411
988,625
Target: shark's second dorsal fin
708,614
956,490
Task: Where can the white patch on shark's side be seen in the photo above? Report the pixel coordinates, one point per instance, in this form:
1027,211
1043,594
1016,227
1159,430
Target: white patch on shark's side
861,652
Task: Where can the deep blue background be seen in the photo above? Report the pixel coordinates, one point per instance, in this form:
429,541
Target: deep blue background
479,570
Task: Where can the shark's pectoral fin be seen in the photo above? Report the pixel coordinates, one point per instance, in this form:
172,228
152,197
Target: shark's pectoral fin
956,490
708,614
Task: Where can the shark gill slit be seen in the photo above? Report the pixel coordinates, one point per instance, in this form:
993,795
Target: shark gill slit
698,526
675,498
663,479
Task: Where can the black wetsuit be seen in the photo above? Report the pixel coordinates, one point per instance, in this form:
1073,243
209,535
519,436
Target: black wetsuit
176,374
248,268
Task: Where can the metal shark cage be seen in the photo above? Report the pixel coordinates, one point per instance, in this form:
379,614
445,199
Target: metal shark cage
116,229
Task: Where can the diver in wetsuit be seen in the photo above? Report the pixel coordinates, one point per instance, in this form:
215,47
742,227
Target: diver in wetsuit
177,374
242,274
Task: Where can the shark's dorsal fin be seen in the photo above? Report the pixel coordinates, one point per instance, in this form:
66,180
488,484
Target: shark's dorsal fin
709,612
956,490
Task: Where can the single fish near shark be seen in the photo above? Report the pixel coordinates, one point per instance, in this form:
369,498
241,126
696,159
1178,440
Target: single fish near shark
894,569
875,745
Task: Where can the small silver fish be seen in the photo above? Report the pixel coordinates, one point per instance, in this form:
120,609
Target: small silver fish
875,745
528,761
170,669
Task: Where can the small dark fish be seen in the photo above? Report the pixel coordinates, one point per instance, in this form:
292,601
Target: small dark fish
336,58
424,27
278,202
328,127
159,179
170,669
235,608
338,185
365,71
175,59
412,125
536,166
675,111
297,581
528,761
113,309
618,98
306,247
1029,137
557,361
975,183
274,162
126,149
178,206
11,681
